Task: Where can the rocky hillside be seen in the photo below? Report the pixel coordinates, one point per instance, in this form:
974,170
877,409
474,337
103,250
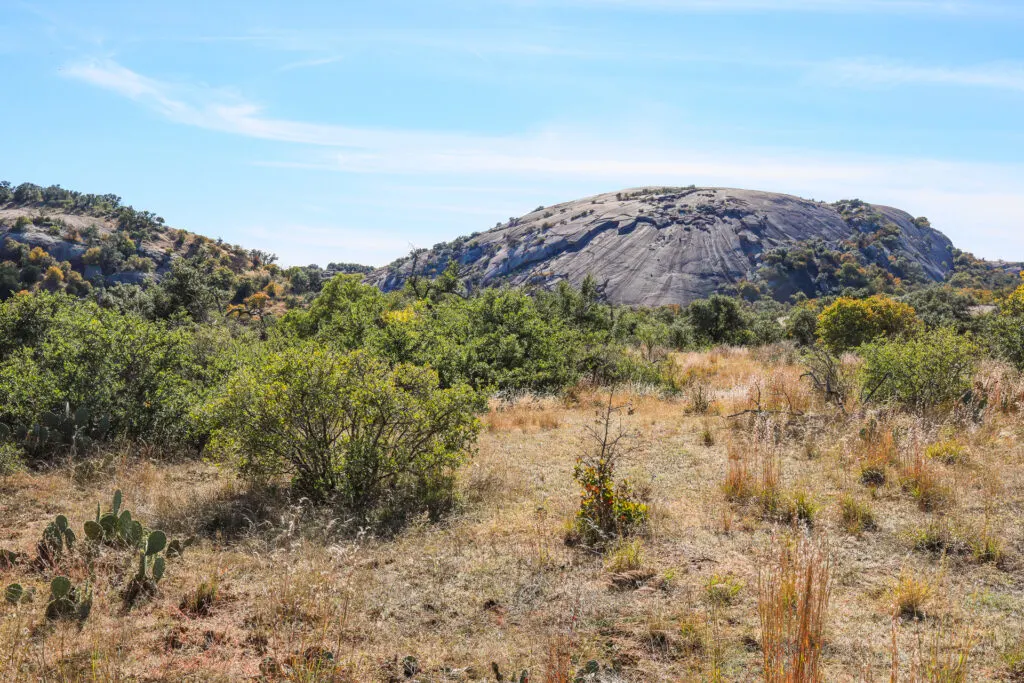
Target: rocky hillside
656,246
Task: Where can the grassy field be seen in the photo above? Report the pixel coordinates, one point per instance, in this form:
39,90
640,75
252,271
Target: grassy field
917,524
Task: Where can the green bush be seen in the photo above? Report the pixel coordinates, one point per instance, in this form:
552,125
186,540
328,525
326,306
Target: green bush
1007,328
56,352
930,370
802,325
499,338
942,306
344,424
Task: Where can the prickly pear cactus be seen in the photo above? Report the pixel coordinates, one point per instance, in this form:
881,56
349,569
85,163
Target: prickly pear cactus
67,601
58,538
14,593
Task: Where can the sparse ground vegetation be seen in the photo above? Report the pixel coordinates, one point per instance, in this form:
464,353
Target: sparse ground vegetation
277,585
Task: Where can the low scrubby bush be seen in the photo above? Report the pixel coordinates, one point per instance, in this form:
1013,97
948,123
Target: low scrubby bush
345,425
609,507
928,371
847,323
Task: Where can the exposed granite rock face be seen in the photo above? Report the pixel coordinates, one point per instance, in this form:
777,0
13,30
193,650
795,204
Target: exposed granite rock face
657,246
59,249
54,242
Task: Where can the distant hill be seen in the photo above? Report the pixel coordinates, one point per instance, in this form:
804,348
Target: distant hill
55,238
646,246
657,246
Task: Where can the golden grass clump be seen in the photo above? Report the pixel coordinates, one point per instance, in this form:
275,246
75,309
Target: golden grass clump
739,481
948,452
522,415
626,554
856,515
910,594
924,483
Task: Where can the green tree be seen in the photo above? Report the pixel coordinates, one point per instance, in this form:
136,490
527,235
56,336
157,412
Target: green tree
185,289
10,281
717,320
802,325
27,193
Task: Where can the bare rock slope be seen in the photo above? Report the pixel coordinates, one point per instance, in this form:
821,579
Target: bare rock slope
657,246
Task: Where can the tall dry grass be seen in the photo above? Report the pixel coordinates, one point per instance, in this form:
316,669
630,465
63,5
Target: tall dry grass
794,586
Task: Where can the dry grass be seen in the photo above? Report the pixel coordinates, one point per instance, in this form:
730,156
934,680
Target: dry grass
911,594
301,594
856,515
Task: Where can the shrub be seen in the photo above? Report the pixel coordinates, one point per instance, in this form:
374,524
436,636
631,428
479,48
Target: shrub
1008,328
53,279
11,458
140,264
827,374
928,371
57,352
346,424
608,509
872,473
942,306
847,323
802,325
717,320
92,256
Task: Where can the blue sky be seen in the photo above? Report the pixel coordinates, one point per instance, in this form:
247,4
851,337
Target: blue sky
344,131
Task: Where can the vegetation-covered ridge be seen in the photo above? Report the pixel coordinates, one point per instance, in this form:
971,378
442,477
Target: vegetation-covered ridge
657,246
88,244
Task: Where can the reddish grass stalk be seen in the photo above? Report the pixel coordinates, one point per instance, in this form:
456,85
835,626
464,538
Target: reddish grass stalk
558,664
794,587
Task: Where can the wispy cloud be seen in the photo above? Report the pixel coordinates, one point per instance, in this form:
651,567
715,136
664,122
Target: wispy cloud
570,158
962,8
311,63
1000,75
